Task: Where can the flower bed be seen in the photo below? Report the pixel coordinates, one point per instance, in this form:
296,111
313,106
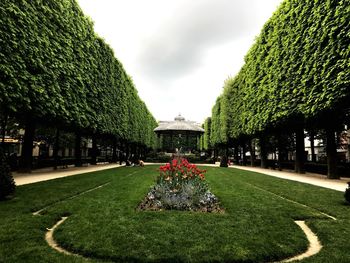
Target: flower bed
181,186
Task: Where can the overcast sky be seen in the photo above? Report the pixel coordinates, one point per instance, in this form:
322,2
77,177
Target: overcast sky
179,52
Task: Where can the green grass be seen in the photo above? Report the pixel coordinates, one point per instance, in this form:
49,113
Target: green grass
103,224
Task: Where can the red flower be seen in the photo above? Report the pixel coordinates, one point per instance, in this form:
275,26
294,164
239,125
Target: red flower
182,167
174,162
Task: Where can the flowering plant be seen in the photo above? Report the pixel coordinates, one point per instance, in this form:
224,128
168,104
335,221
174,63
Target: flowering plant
179,170
182,186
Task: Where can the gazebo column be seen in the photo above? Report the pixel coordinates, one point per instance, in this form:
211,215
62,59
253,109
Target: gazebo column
187,144
158,146
171,141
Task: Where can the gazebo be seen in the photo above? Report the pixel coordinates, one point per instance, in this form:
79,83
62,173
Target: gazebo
178,134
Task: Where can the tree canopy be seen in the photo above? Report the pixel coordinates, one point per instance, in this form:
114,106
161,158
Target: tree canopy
55,69
298,68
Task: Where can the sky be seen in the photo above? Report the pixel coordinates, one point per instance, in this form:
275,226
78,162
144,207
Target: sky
179,52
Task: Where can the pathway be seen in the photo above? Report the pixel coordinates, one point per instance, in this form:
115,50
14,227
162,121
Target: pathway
49,174
308,178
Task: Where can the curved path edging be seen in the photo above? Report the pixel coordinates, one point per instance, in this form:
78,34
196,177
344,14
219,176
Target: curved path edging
53,244
50,240
314,244
313,248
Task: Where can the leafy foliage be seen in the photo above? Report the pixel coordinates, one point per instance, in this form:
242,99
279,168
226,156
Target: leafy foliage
298,66
7,184
218,128
54,68
206,136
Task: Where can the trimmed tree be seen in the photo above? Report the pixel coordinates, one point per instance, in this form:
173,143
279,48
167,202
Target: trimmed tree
296,73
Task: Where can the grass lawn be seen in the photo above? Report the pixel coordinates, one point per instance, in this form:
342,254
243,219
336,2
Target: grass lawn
103,225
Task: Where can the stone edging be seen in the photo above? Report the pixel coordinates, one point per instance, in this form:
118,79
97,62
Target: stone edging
314,244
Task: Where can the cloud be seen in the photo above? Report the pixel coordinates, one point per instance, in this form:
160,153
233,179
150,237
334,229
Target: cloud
180,43
180,52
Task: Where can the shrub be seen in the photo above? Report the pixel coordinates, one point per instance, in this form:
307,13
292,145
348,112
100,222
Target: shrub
7,184
347,193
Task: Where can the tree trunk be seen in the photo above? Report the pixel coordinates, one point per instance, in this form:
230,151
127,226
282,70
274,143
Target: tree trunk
77,151
280,155
122,152
244,157
127,151
215,151
3,128
56,147
331,149
94,150
27,150
252,152
236,155
143,152
299,150
132,152
106,153
224,160
114,150
138,152
263,153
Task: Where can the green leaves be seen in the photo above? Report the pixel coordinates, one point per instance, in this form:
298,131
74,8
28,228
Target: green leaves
54,68
298,66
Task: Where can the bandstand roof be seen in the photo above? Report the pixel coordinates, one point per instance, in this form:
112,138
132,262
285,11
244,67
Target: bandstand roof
179,124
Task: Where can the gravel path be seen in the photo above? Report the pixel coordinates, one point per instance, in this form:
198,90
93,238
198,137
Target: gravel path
308,178
49,174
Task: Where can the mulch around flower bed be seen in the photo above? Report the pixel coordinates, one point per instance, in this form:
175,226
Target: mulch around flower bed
149,203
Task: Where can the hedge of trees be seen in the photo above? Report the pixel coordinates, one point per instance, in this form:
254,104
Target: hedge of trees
206,135
55,70
296,77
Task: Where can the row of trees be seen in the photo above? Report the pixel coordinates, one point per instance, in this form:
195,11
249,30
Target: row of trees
55,70
295,78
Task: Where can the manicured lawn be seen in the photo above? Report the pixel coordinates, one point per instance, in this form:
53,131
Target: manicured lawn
103,224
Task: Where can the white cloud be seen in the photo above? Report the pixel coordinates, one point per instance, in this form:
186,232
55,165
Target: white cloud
179,52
